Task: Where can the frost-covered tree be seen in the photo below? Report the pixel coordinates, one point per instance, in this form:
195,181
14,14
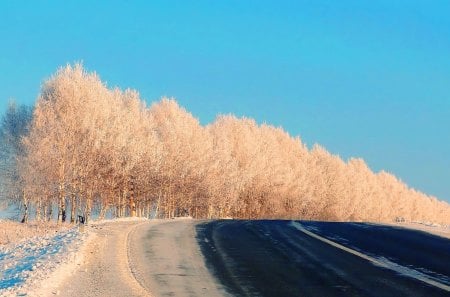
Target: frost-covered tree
89,146
13,127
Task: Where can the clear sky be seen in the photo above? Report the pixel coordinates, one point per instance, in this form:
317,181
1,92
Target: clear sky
363,78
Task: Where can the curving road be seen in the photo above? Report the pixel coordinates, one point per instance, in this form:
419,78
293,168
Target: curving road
260,258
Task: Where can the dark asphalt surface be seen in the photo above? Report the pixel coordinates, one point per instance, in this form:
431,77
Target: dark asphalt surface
272,258
424,252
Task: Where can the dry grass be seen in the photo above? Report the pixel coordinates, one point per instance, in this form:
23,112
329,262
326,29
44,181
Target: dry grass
13,232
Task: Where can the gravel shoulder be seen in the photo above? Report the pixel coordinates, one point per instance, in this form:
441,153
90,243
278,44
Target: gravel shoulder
106,270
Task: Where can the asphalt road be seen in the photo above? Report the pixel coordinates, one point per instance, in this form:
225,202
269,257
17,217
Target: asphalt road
274,258
166,260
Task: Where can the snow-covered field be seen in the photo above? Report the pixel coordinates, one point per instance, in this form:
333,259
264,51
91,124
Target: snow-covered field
14,232
439,230
35,258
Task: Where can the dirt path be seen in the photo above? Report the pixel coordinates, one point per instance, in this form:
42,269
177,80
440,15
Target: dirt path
106,269
150,258
167,260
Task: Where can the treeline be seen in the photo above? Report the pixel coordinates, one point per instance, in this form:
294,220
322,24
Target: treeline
90,146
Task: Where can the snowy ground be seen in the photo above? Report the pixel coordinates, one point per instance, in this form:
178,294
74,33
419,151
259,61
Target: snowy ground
14,232
34,258
439,230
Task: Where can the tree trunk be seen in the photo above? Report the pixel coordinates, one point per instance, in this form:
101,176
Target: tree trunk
72,209
148,210
61,205
122,203
88,207
102,211
158,205
38,210
132,206
50,211
44,211
25,213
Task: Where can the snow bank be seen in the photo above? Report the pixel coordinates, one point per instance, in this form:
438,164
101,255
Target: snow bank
32,267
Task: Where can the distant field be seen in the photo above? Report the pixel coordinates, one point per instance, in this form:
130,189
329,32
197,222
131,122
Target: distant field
12,232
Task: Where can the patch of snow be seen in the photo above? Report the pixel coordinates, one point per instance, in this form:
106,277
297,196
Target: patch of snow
436,229
124,219
183,218
31,265
311,228
441,281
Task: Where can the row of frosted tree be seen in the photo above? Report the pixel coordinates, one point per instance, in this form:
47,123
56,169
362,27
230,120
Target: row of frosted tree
87,147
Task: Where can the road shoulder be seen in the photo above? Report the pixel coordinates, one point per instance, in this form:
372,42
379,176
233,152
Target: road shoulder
105,270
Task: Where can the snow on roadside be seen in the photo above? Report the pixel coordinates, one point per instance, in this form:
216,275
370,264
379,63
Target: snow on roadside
32,267
124,219
37,266
439,230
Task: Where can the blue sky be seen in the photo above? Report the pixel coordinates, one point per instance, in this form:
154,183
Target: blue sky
363,78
